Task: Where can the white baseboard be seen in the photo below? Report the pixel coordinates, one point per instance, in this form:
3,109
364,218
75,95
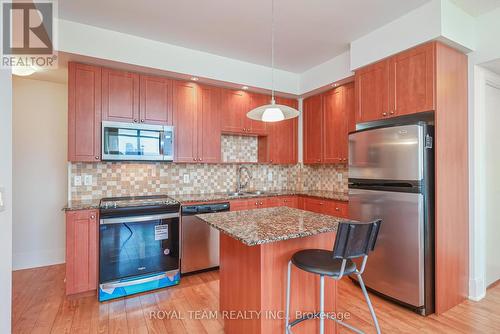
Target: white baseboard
477,289
26,260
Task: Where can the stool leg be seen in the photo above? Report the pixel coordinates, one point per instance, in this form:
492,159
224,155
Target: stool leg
287,319
372,311
322,305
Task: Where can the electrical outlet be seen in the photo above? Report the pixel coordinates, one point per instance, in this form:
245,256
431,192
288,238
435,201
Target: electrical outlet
339,177
186,178
87,180
270,176
77,180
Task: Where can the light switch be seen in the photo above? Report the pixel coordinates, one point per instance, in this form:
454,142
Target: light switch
186,178
2,204
87,180
77,180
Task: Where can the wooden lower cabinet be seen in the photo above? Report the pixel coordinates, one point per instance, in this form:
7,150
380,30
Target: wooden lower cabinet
81,251
325,206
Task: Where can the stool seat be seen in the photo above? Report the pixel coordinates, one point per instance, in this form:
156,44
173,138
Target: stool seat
321,262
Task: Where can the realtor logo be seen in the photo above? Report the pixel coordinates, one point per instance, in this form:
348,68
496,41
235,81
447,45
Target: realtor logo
28,34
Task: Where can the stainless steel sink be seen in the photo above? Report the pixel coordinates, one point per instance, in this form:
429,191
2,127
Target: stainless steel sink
235,194
257,192
246,193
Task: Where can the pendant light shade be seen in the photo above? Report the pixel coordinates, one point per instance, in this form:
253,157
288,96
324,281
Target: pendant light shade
272,112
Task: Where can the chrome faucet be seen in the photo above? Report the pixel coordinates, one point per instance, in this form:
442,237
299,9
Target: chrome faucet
240,186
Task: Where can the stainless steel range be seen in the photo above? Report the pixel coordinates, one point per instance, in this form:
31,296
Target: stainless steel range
139,245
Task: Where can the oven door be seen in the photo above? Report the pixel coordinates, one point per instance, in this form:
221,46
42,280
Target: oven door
138,245
130,141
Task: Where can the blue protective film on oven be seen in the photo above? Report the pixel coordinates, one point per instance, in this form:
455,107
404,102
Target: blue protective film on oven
171,278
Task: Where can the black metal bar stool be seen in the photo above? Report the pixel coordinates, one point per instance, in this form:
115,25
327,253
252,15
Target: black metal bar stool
354,240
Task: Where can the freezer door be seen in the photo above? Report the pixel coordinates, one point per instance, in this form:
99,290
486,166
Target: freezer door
392,153
396,267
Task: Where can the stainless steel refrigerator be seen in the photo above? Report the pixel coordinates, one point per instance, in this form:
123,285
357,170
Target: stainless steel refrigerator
391,177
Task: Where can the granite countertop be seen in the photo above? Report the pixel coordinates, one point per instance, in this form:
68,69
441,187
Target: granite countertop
261,226
82,205
210,197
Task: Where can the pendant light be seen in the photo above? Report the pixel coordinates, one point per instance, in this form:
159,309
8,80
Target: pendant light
272,112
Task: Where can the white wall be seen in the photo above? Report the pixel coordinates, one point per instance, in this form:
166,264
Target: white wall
492,177
40,172
6,214
101,43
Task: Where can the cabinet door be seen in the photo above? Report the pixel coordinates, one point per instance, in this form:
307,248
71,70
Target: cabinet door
185,121
256,127
313,130
290,201
412,77
155,100
315,205
84,112
209,132
241,204
234,107
372,92
334,125
81,251
348,112
283,144
337,209
120,96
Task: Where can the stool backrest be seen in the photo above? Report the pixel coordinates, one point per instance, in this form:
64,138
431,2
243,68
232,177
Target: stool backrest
355,240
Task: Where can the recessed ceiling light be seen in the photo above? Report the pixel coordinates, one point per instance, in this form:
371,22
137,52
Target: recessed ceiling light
194,78
245,87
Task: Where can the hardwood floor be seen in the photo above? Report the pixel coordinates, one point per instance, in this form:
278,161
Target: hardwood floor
40,306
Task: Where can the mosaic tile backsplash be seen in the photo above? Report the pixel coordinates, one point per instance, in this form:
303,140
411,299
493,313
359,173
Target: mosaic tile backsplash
239,148
110,179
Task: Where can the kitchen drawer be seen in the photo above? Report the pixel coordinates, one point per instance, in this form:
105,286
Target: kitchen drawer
290,201
337,209
315,205
239,204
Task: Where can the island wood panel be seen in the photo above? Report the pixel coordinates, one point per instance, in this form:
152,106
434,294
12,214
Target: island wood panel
451,172
254,279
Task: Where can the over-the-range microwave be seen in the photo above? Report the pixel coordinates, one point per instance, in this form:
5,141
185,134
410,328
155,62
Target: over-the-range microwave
132,141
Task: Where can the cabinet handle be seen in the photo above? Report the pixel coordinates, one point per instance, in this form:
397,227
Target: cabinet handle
260,203
337,209
96,157
199,159
92,217
135,121
256,203
392,112
320,203
142,121
384,114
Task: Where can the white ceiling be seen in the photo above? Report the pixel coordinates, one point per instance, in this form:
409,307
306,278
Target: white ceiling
477,7
308,33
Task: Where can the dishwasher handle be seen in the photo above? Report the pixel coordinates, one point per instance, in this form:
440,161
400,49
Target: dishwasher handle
205,208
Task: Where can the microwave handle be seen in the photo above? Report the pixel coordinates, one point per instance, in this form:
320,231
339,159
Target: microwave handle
162,142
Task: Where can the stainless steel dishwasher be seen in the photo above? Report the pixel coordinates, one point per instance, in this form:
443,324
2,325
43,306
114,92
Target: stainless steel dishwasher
199,242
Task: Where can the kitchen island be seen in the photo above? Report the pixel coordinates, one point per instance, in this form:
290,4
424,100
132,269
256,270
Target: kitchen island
255,247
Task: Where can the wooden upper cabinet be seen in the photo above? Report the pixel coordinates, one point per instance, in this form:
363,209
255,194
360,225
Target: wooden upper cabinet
185,121
234,106
155,100
334,125
209,122
284,146
349,113
120,96
81,251
84,112
372,92
256,127
312,117
412,78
